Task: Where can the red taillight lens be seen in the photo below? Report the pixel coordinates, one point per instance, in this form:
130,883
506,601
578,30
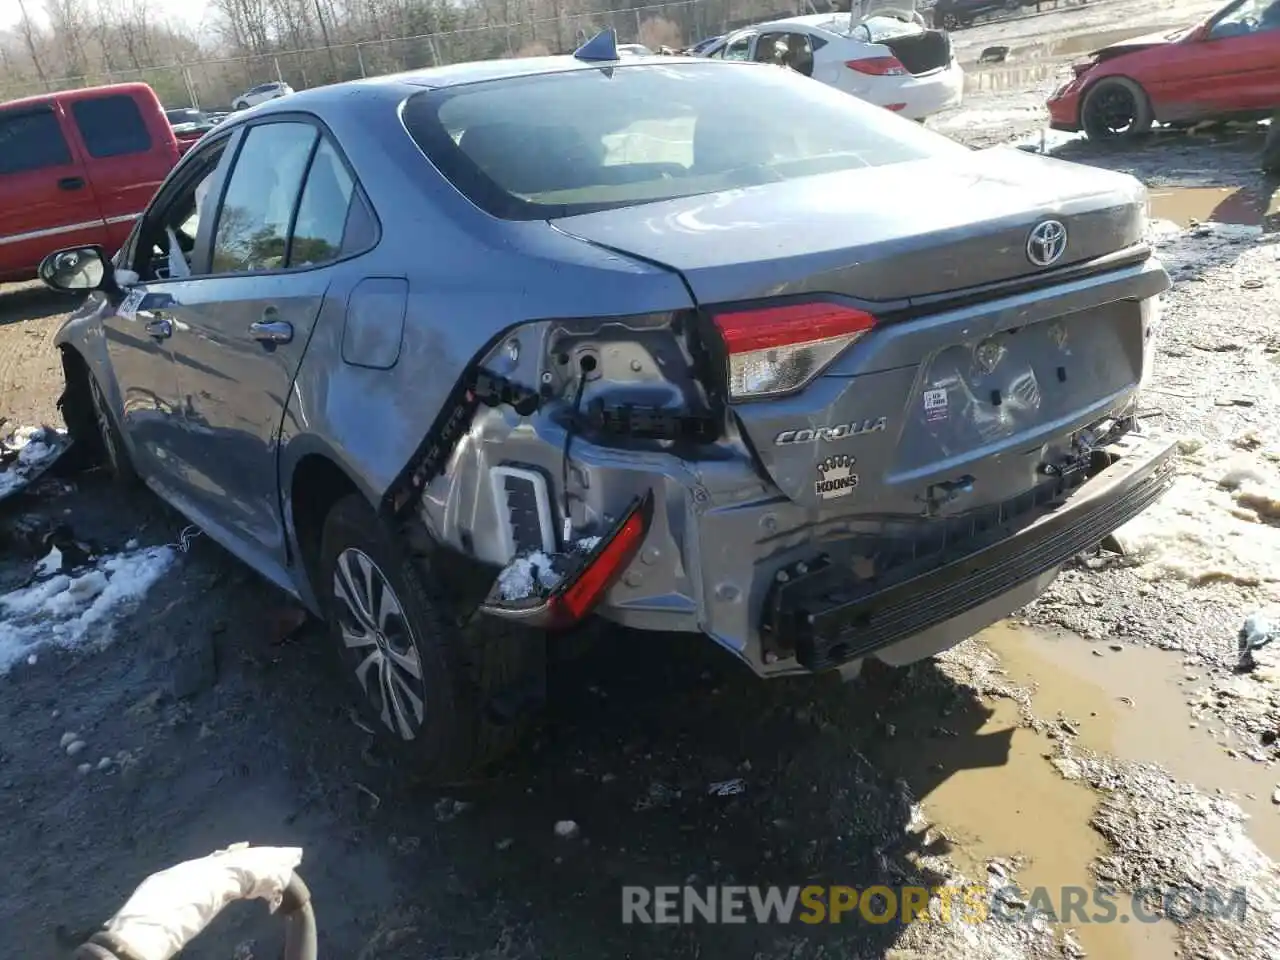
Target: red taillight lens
895,107
775,350
878,66
581,596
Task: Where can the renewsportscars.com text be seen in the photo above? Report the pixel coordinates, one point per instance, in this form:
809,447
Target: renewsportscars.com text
907,904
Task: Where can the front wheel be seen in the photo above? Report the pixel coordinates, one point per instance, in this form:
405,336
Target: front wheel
428,682
1116,109
110,441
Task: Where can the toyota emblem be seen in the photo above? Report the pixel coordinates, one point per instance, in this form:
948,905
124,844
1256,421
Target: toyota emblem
1047,243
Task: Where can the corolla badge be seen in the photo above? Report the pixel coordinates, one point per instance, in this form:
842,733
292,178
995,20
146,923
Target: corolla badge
839,431
1046,243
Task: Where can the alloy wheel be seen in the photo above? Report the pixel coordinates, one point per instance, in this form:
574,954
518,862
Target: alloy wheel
106,430
379,643
1116,110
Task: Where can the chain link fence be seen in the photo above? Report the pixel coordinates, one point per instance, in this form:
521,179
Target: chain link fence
214,84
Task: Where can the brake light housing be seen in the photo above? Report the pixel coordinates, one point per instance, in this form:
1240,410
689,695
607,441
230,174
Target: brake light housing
775,350
878,66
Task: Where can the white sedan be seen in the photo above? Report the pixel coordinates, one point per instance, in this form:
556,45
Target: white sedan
892,61
261,94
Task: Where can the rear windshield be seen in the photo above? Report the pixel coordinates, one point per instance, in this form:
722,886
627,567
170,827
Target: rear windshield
560,144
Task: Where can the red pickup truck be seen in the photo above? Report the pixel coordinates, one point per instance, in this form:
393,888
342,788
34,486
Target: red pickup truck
76,168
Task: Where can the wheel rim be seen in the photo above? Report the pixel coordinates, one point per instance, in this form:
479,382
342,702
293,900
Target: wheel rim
1115,110
105,430
378,643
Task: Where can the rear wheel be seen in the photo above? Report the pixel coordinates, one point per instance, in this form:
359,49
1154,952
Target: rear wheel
428,683
1271,149
1114,109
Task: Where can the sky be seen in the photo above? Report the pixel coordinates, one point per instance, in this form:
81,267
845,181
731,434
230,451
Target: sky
187,11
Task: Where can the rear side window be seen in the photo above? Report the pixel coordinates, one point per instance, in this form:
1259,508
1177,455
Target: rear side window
253,224
322,213
111,126
556,145
31,140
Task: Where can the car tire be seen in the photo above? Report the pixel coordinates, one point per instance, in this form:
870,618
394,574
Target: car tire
1116,108
1271,148
105,434
427,682
238,106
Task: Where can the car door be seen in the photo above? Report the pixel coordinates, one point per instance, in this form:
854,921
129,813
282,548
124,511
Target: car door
138,326
46,201
1233,67
793,48
125,163
245,325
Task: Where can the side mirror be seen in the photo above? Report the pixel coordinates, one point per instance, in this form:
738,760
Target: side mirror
1200,33
77,269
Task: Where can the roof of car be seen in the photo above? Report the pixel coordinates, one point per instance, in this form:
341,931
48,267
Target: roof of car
40,99
461,74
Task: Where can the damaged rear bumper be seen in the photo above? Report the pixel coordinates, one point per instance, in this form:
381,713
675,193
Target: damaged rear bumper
827,616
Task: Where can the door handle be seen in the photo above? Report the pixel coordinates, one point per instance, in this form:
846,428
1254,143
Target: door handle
71,183
160,329
271,331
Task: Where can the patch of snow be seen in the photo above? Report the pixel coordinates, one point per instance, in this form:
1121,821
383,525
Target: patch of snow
1214,522
74,611
51,564
35,446
727,788
586,544
526,576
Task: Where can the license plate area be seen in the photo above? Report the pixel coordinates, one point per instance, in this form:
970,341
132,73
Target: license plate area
984,391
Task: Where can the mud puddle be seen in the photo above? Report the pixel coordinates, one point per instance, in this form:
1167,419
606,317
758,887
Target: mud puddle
1247,206
1131,704
1037,62
987,781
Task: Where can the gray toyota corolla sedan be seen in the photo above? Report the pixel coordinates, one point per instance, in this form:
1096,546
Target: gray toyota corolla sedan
461,357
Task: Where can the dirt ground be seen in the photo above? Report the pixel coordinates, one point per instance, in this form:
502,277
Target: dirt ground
1106,735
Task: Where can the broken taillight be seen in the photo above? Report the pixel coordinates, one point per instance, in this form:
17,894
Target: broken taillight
878,66
777,350
578,595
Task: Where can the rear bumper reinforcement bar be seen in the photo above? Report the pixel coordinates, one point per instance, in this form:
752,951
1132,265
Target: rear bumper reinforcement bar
831,617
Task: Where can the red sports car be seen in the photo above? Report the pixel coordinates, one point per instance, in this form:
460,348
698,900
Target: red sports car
1226,67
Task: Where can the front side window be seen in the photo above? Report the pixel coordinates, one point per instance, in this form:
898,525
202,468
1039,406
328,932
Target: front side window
561,144
111,126
31,140
738,48
1252,16
258,204
168,234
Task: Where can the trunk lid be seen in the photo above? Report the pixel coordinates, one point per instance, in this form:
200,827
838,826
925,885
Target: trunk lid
884,233
940,411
